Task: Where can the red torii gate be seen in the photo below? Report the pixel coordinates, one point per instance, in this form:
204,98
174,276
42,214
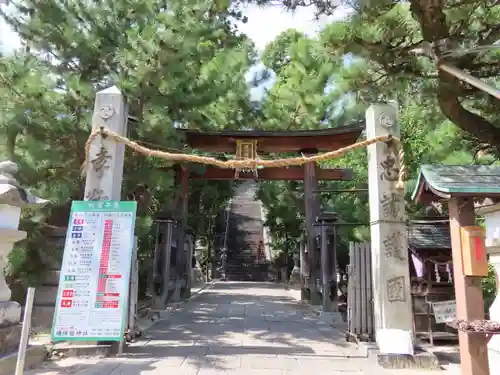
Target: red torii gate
305,142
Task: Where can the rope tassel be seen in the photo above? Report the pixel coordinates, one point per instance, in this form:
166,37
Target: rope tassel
392,142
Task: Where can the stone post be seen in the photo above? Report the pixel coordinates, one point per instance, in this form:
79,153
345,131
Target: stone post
104,171
325,268
491,215
304,269
10,311
106,156
389,242
12,198
188,250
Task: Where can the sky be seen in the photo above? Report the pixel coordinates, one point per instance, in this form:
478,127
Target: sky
263,26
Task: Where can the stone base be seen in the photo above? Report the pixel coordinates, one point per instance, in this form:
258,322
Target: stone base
186,293
315,299
304,294
9,338
198,278
295,276
421,360
331,317
10,313
43,317
85,349
176,295
35,355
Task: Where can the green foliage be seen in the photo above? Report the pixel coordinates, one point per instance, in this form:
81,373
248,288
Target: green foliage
184,64
373,56
489,288
180,63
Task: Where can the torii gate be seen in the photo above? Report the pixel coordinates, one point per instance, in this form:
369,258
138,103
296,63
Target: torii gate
105,150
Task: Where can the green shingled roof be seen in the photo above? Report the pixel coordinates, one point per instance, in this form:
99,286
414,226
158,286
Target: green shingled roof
460,179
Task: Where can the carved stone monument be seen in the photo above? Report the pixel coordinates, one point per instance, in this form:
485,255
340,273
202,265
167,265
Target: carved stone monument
104,171
389,242
105,168
12,198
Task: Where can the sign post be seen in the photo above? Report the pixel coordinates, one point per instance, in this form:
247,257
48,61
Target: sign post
93,293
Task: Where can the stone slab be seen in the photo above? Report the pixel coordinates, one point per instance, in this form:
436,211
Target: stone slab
35,355
425,360
9,338
334,318
45,295
75,350
10,313
42,316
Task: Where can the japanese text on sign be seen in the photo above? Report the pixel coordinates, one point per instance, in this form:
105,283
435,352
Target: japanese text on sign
445,311
93,288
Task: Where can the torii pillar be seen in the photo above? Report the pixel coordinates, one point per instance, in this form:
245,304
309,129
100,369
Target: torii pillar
389,243
311,203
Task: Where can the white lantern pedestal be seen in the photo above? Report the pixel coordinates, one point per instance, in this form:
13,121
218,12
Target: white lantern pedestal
10,311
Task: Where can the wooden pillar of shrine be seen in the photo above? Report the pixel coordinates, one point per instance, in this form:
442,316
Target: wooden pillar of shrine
468,291
311,203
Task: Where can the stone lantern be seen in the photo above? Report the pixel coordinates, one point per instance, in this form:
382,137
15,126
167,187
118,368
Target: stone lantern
295,274
12,199
491,213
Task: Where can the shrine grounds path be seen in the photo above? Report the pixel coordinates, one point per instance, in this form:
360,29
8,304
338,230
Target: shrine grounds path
237,328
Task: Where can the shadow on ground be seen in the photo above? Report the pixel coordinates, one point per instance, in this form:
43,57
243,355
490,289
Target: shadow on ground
235,319
236,328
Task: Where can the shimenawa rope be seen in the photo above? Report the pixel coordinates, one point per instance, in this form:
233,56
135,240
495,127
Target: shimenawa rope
393,142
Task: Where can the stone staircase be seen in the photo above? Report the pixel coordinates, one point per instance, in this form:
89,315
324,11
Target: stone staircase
246,260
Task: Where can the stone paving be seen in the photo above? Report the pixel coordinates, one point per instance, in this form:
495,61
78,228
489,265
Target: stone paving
235,328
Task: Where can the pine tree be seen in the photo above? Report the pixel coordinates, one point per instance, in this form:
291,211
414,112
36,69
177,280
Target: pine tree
179,63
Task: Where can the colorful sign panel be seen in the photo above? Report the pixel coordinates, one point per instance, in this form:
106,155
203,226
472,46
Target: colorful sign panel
92,298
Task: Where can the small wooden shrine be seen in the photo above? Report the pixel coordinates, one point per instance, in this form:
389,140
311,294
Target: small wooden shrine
431,272
461,187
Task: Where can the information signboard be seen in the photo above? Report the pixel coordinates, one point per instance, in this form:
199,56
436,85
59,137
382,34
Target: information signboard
445,311
92,298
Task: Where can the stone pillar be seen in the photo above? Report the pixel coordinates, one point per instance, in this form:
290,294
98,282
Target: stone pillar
10,311
492,223
325,268
334,281
105,168
304,269
12,198
389,242
188,251
104,171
